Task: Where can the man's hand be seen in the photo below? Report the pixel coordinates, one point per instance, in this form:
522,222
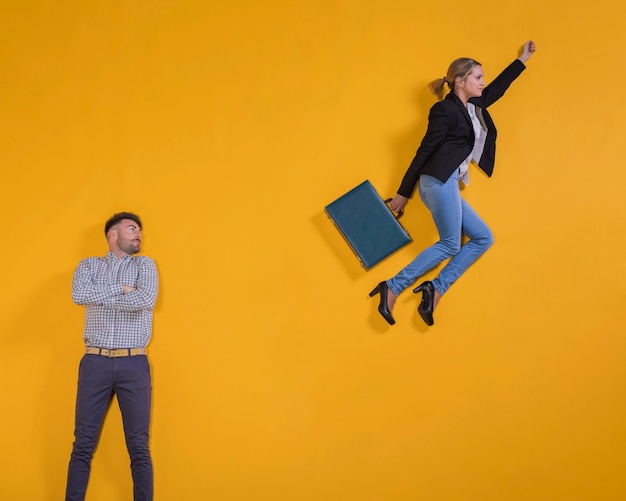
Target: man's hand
128,288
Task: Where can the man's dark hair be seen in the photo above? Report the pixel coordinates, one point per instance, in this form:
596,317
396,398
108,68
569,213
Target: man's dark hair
116,218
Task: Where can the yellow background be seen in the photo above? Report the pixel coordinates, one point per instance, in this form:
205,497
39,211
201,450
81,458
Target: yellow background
228,126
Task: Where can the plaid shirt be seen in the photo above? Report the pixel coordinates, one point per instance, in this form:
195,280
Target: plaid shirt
114,319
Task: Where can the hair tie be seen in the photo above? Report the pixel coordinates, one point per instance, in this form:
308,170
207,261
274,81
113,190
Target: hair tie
444,80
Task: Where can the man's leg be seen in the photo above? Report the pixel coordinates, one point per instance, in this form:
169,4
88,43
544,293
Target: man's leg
92,400
134,393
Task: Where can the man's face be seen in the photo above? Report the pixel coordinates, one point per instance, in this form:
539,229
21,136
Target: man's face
128,236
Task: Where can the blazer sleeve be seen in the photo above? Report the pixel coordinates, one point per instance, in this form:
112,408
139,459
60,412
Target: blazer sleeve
496,89
438,127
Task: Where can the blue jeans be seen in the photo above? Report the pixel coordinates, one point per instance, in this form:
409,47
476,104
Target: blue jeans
99,378
453,217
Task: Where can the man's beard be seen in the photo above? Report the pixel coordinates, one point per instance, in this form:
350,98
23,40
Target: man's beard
131,247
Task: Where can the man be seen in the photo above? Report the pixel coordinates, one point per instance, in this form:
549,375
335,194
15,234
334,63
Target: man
119,291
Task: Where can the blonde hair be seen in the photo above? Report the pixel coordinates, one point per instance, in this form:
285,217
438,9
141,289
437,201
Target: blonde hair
459,68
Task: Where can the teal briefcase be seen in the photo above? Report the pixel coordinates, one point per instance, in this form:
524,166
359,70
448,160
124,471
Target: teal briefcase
368,224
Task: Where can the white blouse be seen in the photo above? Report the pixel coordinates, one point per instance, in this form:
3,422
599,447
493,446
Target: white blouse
480,133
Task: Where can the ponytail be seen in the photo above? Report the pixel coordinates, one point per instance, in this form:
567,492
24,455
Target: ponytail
436,87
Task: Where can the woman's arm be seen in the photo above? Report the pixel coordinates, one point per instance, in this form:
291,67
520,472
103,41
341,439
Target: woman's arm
527,51
437,130
496,89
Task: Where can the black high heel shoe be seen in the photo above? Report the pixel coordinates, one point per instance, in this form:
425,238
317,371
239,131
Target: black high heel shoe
425,308
383,309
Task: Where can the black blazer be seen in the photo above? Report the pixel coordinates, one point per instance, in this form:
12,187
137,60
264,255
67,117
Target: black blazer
449,138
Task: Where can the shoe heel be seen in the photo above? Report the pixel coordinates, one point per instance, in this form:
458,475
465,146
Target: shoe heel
383,309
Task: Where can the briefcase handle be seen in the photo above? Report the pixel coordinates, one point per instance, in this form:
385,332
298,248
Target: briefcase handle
399,214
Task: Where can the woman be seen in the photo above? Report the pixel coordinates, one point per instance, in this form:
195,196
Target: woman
460,130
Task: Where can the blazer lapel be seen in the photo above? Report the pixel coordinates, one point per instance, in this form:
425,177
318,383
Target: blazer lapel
451,95
463,109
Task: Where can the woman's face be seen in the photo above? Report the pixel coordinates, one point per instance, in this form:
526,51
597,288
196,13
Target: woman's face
473,84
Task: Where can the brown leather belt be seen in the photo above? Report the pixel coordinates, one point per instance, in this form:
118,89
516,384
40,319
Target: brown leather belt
122,352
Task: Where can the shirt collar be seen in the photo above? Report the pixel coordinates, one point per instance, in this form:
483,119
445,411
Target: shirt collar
110,255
